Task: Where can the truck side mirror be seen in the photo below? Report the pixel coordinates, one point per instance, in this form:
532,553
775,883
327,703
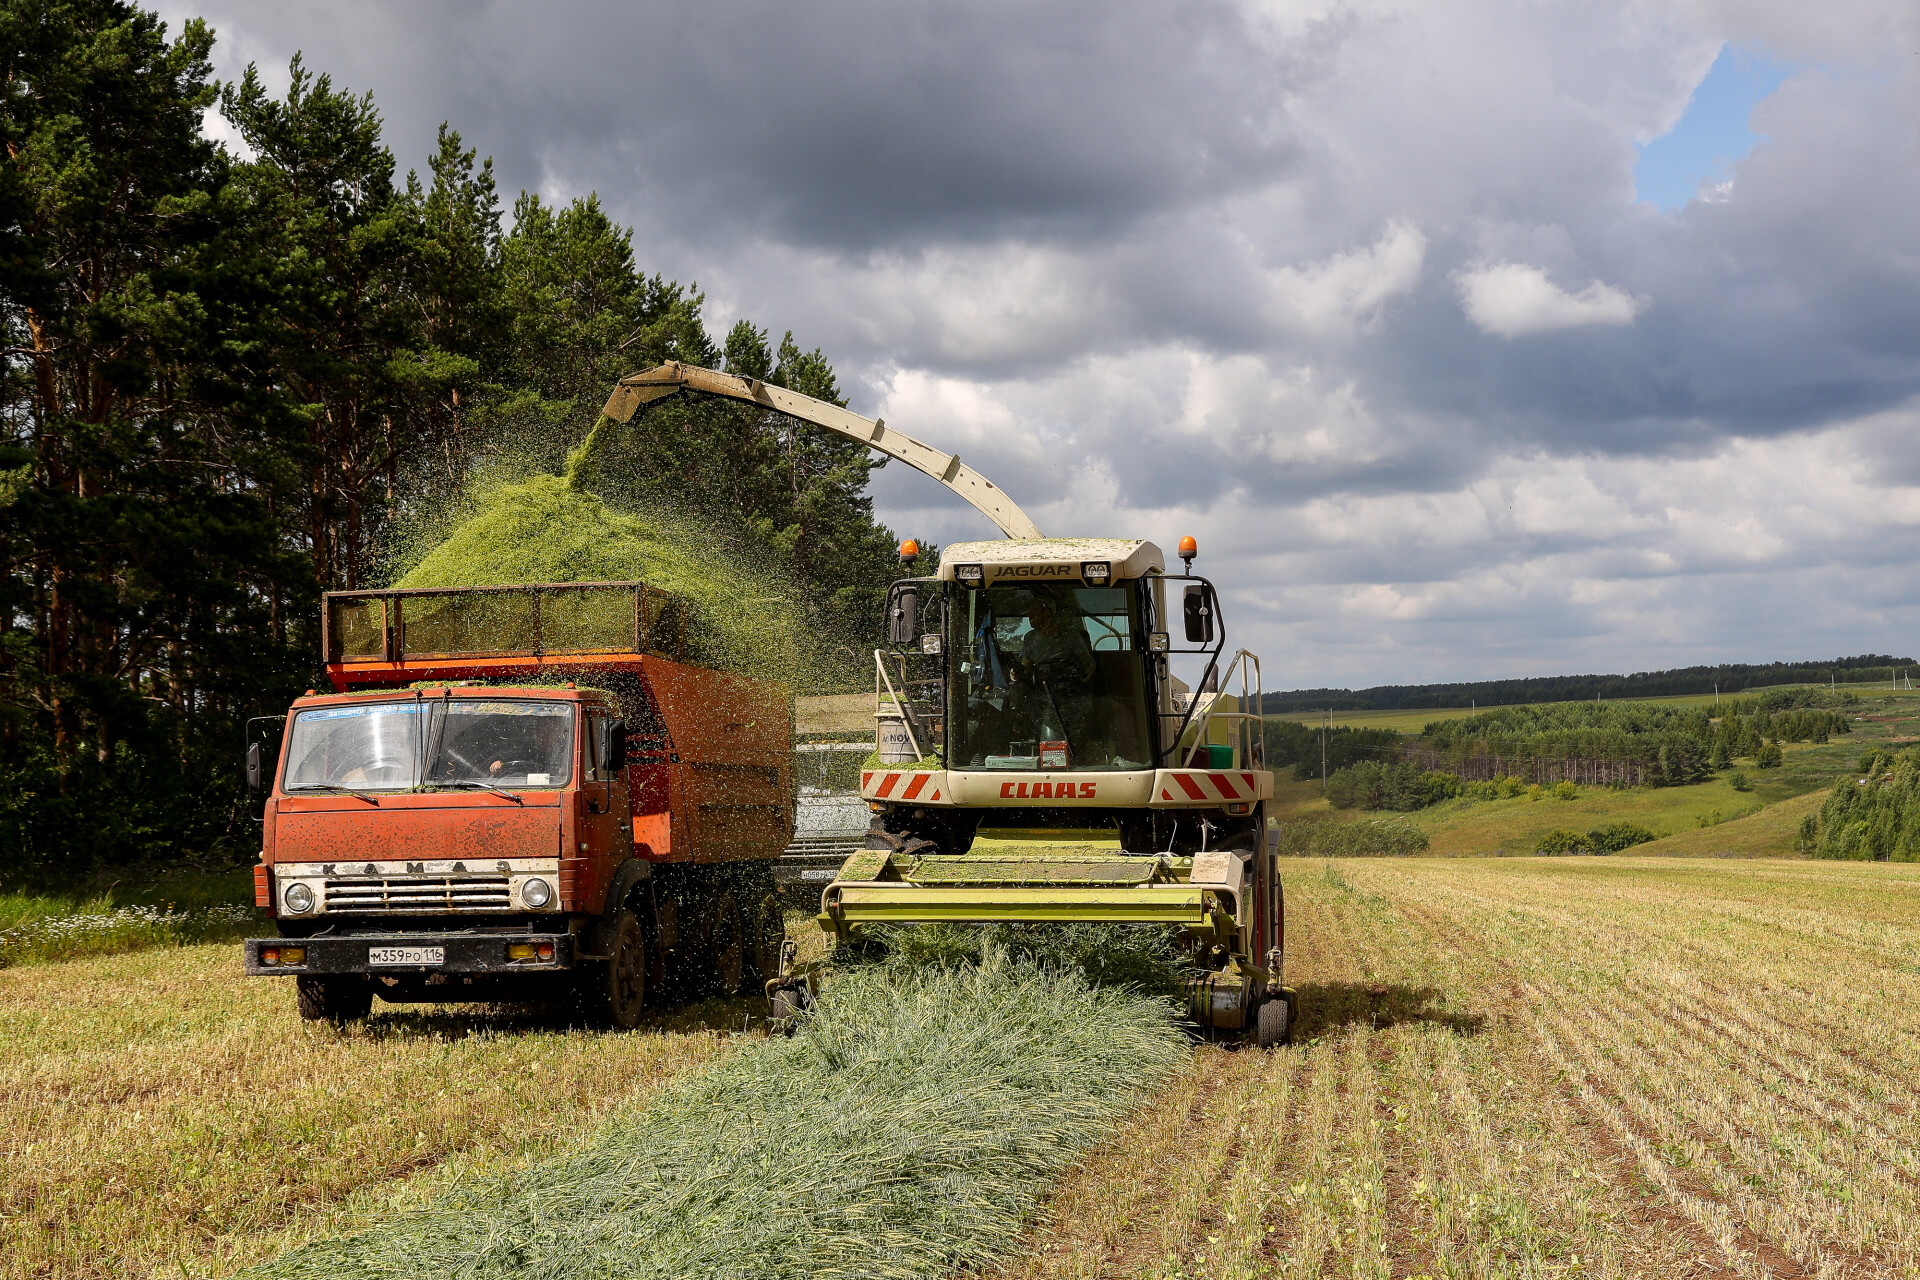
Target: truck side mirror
903,619
616,753
256,771
1199,615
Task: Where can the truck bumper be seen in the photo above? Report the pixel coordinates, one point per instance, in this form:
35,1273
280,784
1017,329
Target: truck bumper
460,954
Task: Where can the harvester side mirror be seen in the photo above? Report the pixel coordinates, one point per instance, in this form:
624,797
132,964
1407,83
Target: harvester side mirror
903,618
616,747
256,770
1199,615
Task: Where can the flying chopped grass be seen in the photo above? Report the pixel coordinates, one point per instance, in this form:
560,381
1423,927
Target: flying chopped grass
906,1131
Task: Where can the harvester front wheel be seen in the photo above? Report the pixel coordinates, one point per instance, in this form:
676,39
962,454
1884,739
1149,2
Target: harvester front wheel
787,1004
1274,1026
769,937
615,989
726,945
335,1000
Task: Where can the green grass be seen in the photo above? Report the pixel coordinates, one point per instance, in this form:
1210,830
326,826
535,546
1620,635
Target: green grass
1412,720
175,910
908,1130
1373,836
1759,822
1516,825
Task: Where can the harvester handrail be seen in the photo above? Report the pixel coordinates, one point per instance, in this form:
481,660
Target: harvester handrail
673,377
899,703
1242,662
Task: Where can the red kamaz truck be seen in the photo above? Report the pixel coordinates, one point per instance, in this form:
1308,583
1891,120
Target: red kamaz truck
519,793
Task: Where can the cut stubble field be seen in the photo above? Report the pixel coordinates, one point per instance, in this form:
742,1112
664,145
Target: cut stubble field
1639,1068
1618,1067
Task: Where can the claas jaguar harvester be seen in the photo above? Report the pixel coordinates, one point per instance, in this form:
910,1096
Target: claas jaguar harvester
521,793
1049,767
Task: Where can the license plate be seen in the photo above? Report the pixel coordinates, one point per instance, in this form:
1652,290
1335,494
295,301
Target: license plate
406,955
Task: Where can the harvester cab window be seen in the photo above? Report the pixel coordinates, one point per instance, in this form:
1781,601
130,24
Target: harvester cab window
1050,678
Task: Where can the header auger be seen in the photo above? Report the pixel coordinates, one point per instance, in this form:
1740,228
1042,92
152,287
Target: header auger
1060,772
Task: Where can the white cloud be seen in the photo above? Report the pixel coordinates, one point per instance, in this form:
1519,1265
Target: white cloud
1346,289
1509,299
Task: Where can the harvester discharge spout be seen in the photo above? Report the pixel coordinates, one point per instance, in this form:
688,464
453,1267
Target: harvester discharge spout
673,378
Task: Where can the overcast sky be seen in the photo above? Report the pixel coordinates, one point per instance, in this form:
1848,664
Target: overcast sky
1471,340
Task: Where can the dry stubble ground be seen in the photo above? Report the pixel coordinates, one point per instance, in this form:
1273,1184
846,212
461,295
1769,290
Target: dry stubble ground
1566,1067
165,1116
1512,1067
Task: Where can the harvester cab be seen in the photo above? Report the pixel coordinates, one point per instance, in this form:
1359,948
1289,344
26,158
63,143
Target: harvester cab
1040,761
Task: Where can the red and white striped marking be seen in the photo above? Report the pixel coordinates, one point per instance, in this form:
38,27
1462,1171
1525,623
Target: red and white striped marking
916,782
1207,787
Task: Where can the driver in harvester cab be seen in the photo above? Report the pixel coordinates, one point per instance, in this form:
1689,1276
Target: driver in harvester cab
1056,657
1057,650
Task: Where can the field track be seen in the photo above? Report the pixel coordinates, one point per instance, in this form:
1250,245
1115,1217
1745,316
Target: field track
1576,1067
1510,1067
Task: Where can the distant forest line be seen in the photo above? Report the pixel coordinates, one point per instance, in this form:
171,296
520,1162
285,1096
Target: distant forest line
1732,677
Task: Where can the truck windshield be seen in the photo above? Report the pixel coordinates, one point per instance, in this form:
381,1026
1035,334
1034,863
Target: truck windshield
1050,677
384,746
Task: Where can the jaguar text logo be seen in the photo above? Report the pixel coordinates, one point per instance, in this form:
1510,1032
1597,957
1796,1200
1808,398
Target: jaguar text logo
1036,571
1048,790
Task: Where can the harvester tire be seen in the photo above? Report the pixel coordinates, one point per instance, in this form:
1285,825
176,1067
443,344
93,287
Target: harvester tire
726,947
613,992
769,936
335,1000
1275,1025
787,1004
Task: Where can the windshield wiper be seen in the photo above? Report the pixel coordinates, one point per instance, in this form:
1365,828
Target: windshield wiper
334,786
485,786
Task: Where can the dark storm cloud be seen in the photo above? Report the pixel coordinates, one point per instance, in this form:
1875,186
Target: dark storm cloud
850,125
1362,292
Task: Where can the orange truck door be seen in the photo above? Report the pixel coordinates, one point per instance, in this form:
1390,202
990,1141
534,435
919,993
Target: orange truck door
602,819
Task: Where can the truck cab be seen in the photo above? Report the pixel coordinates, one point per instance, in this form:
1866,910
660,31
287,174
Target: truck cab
461,821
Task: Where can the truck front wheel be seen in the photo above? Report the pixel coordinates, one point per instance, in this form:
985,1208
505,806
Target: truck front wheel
335,1000
615,989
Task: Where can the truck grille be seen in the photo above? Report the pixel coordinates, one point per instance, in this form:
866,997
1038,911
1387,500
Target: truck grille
418,894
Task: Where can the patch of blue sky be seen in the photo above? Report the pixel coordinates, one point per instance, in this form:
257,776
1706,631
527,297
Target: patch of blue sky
1712,134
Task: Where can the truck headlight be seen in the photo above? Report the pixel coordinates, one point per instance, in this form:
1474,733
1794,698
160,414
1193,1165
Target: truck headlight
298,897
536,893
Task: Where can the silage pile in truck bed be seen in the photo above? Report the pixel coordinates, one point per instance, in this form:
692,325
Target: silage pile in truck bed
543,529
907,1131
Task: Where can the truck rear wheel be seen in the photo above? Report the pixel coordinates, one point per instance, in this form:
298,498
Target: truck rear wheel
614,990
335,1000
